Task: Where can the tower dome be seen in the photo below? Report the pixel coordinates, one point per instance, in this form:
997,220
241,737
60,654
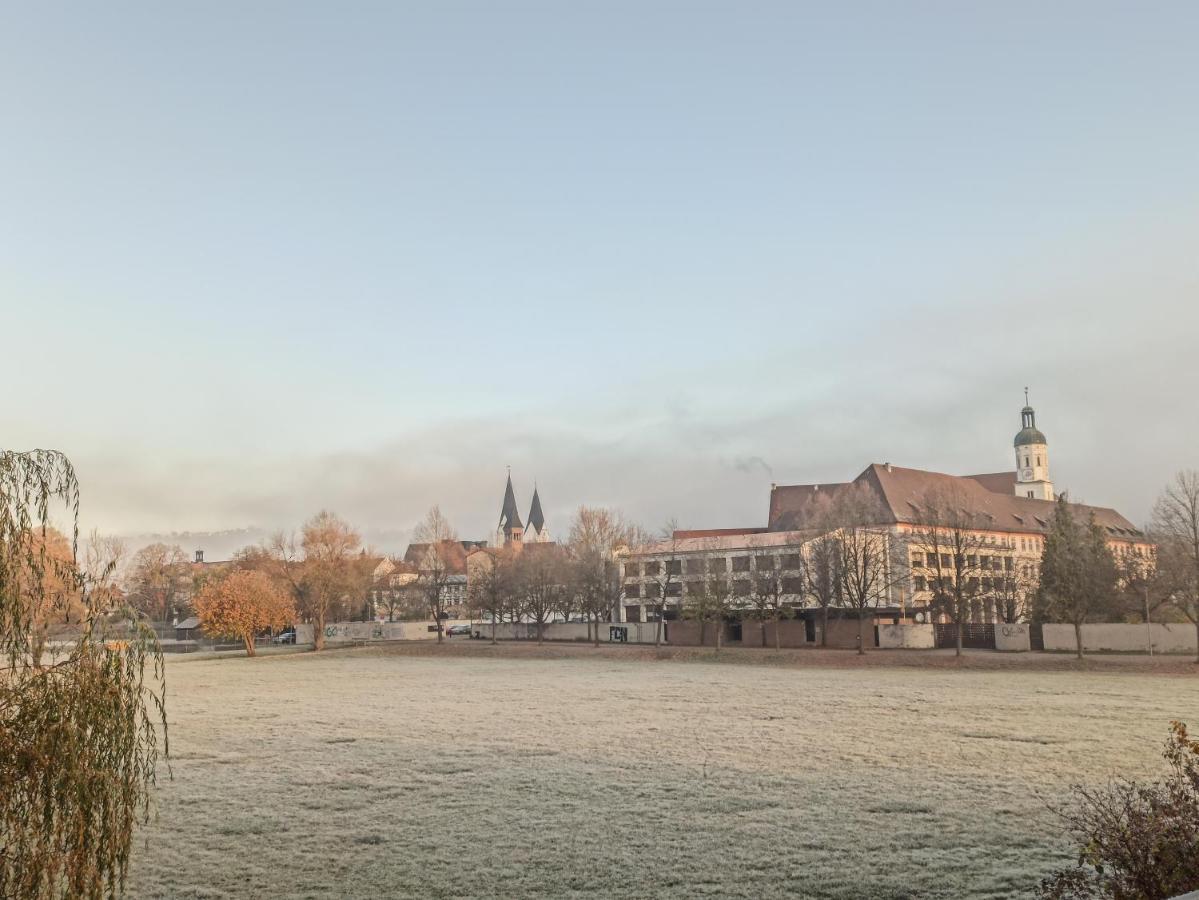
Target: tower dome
1029,434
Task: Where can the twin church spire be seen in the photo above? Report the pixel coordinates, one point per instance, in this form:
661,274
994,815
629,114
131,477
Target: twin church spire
511,531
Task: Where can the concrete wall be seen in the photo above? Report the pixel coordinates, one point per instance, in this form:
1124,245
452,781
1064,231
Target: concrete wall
637,633
1011,638
1173,638
906,637
353,632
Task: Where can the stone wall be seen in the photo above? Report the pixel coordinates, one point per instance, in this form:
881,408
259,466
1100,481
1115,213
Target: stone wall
1172,638
1012,638
846,634
906,637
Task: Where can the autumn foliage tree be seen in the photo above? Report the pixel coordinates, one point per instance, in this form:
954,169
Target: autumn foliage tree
321,570
242,605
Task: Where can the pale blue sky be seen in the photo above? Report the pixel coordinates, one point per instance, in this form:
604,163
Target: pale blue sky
364,256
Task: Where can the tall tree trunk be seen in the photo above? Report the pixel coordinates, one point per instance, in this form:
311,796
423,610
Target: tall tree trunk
959,638
596,625
658,625
540,631
719,633
248,640
318,632
777,643
1197,640
493,629
1078,638
776,629
824,627
861,640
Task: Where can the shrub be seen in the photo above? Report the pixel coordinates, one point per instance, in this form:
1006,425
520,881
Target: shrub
1138,840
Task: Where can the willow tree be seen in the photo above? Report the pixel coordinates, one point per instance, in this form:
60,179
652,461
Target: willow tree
79,737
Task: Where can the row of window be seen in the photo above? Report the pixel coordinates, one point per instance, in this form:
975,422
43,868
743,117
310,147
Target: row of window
715,564
973,561
741,587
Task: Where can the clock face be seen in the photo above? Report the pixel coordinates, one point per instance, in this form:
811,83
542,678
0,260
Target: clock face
1026,474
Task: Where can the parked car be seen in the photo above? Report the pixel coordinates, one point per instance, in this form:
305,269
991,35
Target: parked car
457,629
284,637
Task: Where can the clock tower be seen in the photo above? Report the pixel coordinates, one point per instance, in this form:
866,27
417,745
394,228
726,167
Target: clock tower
1032,457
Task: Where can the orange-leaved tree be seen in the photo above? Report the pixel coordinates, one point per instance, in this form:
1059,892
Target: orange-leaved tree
243,604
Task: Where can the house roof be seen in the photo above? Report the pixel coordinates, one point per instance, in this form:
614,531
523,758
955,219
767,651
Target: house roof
455,554
901,491
189,622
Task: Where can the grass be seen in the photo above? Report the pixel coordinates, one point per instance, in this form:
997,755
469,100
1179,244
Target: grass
383,772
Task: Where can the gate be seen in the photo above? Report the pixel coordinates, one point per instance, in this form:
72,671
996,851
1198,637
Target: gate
974,636
1036,636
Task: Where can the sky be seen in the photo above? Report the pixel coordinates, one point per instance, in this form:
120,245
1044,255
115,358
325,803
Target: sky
259,259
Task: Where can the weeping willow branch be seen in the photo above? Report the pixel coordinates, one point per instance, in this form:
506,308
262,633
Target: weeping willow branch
79,739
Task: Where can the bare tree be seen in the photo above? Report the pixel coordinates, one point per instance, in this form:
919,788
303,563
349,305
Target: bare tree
821,574
596,535
865,567
438,559
666,572
159,583
492,586
951,555
708,598
1176,526
541,575
771,595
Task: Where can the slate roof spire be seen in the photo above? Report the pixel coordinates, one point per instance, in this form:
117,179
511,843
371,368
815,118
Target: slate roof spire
509,517
536,516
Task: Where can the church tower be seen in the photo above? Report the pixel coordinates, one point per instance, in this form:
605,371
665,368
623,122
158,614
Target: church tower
510,531
1032,457
536,533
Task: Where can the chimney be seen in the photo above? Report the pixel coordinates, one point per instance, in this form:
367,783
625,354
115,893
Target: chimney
199,556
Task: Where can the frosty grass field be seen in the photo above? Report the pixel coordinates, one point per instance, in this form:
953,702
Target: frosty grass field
374,773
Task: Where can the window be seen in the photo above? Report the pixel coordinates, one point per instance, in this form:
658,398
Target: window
921,583
1038,460
632,590
653,590
674,567
653,568
1008,563
674,589
632,570
740,563
764,563
695,567
945,561
1030,497
930,559
792,585
1026,460
741,588
792,561
917,561
695,588
718,564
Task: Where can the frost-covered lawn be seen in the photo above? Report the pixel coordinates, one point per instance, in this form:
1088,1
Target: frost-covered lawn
371,773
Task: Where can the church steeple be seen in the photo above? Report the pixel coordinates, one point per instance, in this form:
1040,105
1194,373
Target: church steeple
510,530
1032,457
537,530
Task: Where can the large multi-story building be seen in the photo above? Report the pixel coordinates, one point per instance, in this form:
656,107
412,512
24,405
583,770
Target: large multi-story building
1009,515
